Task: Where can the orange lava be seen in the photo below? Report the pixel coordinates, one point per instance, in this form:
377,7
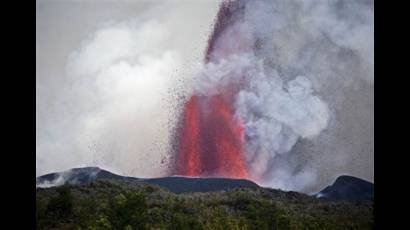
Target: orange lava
189,156
211,143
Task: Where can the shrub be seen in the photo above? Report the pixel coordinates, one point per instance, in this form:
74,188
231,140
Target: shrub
61,206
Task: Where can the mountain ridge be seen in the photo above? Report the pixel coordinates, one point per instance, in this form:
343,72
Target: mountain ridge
348,187
176,184
344,188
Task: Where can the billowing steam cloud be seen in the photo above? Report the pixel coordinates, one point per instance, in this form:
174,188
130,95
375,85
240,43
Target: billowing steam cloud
292,59
113,101
275,114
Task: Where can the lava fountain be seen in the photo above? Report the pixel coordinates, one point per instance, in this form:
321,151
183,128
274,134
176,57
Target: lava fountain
211,142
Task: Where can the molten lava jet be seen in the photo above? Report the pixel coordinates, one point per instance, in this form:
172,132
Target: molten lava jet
212,140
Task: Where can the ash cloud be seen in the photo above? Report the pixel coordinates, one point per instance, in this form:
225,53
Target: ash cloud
306,98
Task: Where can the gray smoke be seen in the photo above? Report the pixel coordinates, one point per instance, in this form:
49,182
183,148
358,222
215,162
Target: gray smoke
306,98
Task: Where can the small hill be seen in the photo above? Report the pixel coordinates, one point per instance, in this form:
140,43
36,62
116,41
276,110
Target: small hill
348,188
78,176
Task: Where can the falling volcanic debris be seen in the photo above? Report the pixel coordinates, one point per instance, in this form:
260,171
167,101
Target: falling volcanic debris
212,139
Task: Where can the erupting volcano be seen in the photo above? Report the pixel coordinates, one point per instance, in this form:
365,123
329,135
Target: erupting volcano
212,139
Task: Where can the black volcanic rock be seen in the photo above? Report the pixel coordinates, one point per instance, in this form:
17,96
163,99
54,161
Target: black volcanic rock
348,188
78,176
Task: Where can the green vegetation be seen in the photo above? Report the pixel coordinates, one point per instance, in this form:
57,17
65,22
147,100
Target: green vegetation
115,205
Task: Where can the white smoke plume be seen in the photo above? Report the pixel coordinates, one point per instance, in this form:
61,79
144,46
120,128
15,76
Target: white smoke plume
71,176
309,55
60,180
112,100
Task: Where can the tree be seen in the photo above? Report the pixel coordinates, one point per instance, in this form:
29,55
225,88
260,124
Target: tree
61,206
129,209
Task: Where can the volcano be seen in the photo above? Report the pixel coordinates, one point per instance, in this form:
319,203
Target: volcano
212,139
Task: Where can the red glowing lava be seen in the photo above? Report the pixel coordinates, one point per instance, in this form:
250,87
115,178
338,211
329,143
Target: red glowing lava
190,149
212,140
